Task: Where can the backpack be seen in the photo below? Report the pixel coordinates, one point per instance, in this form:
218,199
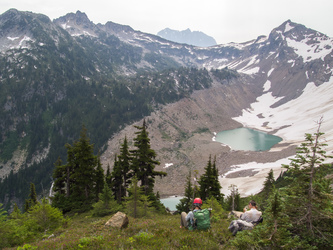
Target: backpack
260,220
201,220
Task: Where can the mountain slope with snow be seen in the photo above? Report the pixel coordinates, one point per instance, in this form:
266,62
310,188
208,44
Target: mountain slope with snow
283,85
295,97
290,121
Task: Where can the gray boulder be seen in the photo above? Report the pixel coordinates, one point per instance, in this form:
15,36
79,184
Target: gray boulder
119,220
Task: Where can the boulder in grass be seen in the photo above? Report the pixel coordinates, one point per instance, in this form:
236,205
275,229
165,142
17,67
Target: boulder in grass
119,220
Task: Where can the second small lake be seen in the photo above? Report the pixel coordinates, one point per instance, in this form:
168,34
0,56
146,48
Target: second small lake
247,139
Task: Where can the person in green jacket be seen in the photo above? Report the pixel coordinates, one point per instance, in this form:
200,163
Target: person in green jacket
187,220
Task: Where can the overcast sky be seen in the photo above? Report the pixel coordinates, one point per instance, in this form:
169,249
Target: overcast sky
225,20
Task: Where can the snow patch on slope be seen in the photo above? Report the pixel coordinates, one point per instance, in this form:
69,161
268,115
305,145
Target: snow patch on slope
291,121
251,184
267,85
288,27
270,72
309,50
299,114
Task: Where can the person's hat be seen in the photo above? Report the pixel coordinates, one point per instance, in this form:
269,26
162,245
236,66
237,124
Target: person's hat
197,202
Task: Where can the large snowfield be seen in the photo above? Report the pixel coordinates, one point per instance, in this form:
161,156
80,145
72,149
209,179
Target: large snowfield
292,121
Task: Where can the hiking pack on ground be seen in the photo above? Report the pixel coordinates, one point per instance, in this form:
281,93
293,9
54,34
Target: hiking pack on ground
201,220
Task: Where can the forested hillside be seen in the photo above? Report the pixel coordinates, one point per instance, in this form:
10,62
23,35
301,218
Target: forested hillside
52,116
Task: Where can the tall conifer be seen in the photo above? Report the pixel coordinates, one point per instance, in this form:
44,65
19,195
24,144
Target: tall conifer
32,198
233,200
76,184
136,202
266,190
216,186
309,193
206,180
209,183
117,185
185,203
124,161
143,162
108,176
99,178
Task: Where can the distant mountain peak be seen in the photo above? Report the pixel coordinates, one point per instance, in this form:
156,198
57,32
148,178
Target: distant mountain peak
78,17
77,24
20,28
196,38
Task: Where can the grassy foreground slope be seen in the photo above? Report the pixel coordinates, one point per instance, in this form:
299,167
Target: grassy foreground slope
154,232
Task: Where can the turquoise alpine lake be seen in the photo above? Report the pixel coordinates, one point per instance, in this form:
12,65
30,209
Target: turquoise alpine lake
247,139
171,202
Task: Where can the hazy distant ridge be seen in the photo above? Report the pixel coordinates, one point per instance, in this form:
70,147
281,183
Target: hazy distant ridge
196,38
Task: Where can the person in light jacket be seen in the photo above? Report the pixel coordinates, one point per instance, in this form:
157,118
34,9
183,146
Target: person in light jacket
247,220
251,215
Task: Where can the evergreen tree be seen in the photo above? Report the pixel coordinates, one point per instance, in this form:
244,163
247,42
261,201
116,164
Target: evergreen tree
209,183
84,164
216,186
16,214
99,178
45,217
62,185
108,176
32,198
277,225
121,174
309,194
155,202
185,204
6,230
196,188
117,186
233,200
124,162
61,175
266,190
106,204
205,181
268,183
143,160
136,203
78,182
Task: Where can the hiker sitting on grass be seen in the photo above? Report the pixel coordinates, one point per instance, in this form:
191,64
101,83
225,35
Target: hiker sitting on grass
196,219
247,220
